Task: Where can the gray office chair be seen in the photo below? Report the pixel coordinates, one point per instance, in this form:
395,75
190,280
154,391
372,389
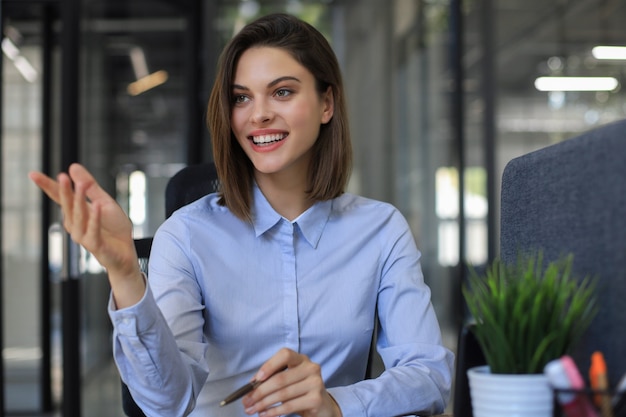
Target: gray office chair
571,198
186,186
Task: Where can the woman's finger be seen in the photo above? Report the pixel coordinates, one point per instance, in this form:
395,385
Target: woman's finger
283,358
66,200
304,396
92,189
80,215
66,193
93,224
300,389
46,184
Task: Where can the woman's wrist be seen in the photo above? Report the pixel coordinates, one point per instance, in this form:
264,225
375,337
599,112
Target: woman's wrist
336,409
127,289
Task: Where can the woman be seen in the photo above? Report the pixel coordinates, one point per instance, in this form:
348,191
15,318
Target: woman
279,277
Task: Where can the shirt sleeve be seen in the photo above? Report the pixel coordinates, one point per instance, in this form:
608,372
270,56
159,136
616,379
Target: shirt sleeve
418,368
163,374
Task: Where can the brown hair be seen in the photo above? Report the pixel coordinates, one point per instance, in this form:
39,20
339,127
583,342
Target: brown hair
332,152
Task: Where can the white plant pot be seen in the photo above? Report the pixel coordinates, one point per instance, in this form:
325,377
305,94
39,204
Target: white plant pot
502,395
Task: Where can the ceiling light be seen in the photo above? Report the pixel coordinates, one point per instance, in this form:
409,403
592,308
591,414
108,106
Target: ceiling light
609,52
26,69
576,83
9,49
148,82
23,66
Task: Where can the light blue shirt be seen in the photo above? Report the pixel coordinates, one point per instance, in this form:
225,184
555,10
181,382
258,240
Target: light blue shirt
225,295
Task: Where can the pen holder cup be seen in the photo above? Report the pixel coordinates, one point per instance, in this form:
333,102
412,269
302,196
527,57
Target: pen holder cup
589,403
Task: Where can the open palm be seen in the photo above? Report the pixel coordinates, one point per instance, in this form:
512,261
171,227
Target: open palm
92,217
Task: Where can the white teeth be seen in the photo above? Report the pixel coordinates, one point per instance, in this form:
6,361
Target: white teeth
259,140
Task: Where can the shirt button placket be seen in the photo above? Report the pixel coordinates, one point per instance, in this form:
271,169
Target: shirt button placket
290,301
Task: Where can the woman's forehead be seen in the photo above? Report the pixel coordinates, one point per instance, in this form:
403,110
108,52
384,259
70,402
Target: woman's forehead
268,63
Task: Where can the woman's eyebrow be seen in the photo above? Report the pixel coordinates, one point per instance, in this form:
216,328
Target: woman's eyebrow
270,84
285,78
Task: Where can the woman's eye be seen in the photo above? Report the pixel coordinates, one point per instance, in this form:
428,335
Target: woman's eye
239,98
283,92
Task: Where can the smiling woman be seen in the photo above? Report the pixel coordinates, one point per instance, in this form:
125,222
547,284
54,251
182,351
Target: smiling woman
312,79
281,269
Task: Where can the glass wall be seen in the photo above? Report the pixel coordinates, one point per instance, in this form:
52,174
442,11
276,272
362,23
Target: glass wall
137,66
534,39
21,220
395,58
135,108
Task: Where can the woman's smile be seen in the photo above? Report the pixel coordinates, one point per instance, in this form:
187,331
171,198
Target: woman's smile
266,137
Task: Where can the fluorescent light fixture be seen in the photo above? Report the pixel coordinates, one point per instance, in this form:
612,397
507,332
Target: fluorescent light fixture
609,52
9,49
148,82
576,83
26,69
23,66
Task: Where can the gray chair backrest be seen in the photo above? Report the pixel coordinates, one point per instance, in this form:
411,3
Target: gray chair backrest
571,198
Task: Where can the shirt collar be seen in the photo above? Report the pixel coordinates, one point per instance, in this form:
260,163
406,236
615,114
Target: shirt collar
311,222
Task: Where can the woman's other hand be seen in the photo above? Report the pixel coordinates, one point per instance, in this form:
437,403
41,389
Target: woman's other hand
95,221
297,390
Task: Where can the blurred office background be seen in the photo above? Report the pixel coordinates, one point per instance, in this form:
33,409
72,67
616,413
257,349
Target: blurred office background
442,93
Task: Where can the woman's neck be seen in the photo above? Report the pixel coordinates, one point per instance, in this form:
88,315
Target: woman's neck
285,194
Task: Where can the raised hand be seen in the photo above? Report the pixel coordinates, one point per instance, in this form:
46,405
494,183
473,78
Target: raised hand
299,389
95,220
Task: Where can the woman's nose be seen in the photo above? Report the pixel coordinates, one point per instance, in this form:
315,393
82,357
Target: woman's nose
261,113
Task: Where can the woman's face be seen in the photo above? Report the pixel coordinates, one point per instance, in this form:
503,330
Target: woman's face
277,111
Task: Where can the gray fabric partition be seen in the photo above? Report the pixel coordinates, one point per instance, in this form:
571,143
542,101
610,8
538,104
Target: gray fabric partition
571,198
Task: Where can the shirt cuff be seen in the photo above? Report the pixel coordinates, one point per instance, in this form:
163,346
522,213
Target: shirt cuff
136,319
348,402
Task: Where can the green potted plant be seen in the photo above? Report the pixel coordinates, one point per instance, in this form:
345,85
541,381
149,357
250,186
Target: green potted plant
525,316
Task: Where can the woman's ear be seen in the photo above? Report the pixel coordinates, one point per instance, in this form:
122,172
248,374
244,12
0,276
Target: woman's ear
328,105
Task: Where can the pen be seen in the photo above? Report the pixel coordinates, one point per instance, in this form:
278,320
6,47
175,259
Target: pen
249,387
599,382
240,392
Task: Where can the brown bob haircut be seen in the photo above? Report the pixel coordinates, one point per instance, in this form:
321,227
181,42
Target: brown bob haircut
332,153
